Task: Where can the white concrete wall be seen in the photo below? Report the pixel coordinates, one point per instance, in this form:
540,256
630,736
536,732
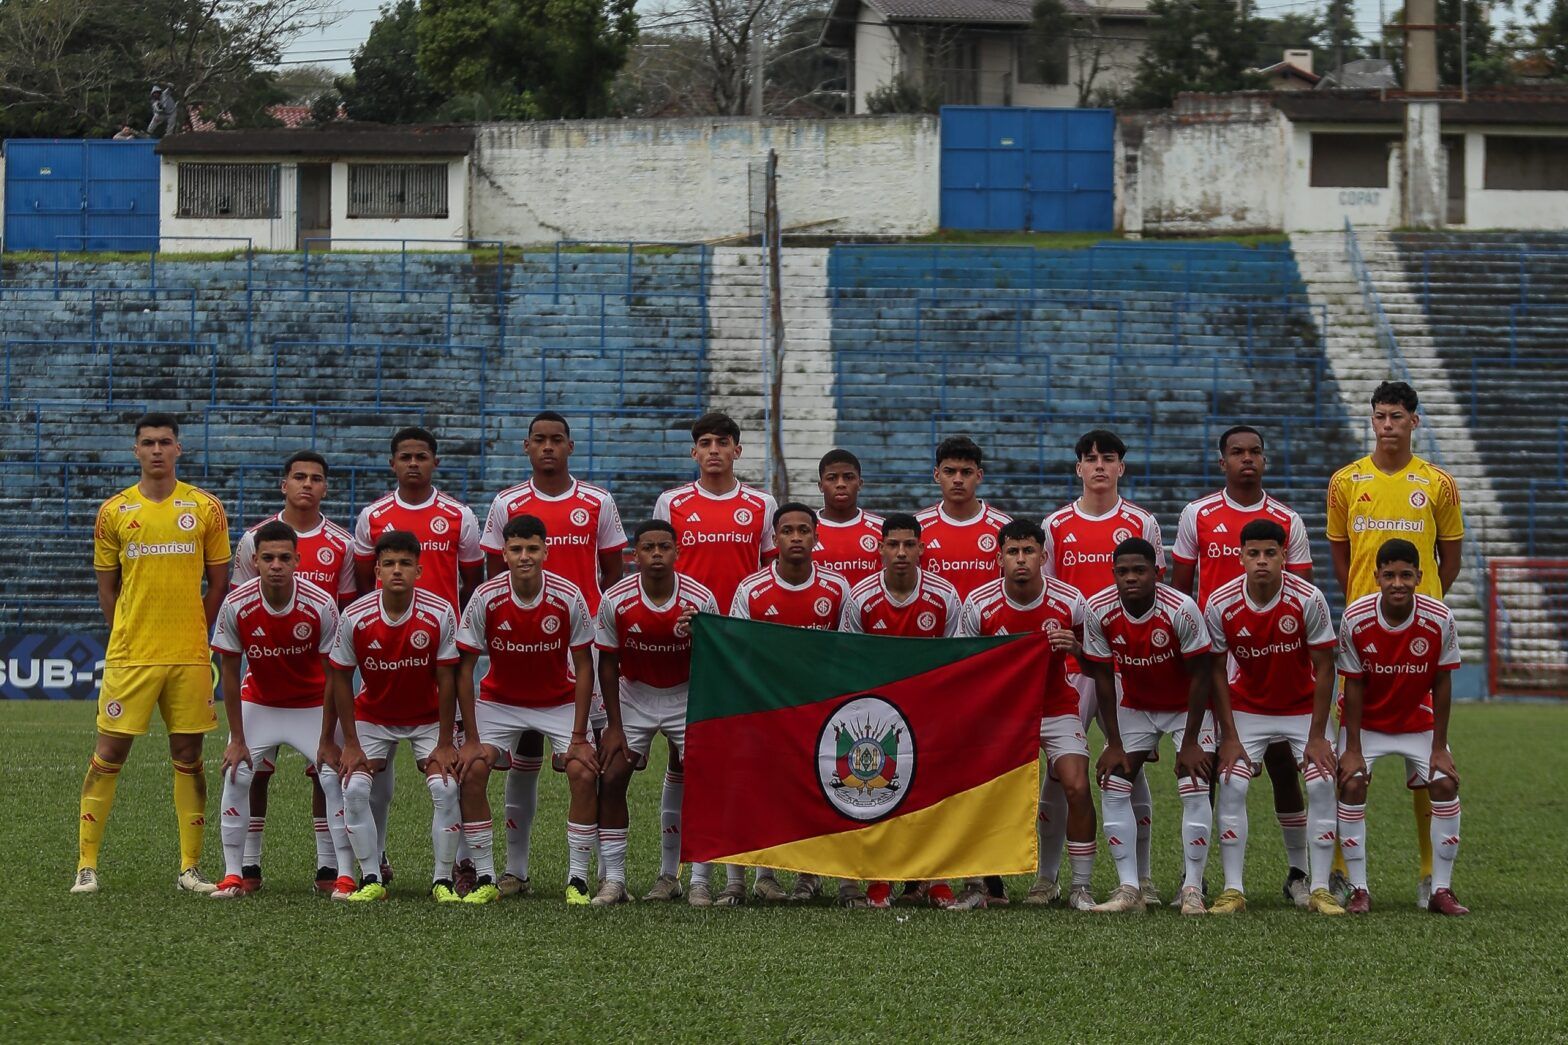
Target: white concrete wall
451,229
687,179
280,233
1508,208
1320,209
1219,168
876,56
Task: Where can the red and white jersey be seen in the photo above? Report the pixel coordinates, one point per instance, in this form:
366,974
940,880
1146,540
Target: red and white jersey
929,612
1079,547
325,557
1397,663
1148,651
654,649
1209,534
853,549
397,659
448,538
989,611
722,539
961,553
529,643
578,524
282,648
1270,665
818,603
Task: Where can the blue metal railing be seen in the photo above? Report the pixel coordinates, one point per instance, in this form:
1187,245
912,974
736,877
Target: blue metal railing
1515,311
114,349
1522,253
152,255
631,250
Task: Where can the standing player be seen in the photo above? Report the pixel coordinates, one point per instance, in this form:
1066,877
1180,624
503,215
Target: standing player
1206,547
959,532
402,640
644,642
1392,492
1397,649
1080,539
284,626
1024,600
586,541
1154,638
324,558
153,544
536,629
795,592
725,531
849,539
1273,688
903,599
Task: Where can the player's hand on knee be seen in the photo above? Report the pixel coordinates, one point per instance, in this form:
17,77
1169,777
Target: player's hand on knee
1319,753
470,757
1231,756
443,760
1193,761
329,754
1352,768
351,761
1113,760
235,755
1443,762
612,747
582,751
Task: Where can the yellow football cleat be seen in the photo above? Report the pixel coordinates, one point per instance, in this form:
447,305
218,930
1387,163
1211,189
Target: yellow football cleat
487,893
577,894
367,893
442,892
1230,901
1323,902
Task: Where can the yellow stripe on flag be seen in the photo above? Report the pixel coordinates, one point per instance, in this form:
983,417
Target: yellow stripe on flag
989,829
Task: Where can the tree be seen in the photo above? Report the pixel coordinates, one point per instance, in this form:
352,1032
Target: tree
1195,45
302,84
1485,61
387,85
1550,39
1289,32
1070,44
1339,36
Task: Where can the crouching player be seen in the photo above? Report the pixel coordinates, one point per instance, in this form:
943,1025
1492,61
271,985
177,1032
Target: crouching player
1273,687
537,631
403,641
284,626
1396,652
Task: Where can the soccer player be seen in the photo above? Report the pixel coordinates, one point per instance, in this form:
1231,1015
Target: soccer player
284,626
644,642
1397,649
1154,638
324,557
903,599
402,639
586,541
1392,492
794,591
153,544
958,533
849,539
1079,541
1023,600
725,531
1273,688
536,629
1206,548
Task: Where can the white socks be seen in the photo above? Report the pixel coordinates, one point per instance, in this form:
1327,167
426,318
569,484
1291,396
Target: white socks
670,823
1051,827
581,840
1320,816
1120,825
479,836
1234,782
1143,811
522,802
1293,828
1353,842
446,824
1445,842
235,822
360,824
1196,820
381,786
1082,856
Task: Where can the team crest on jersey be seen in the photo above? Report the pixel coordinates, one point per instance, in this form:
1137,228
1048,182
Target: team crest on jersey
987,542
579,517
1417,499
823,606
743,517
1121,534
419,640
1419,646
1052,624
302,630
1288,625
865,758
439,525
1160,637
325,555
868,543
550,625
926,621
186,521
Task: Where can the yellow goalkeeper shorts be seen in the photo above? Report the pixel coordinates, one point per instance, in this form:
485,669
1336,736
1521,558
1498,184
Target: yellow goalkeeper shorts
182,693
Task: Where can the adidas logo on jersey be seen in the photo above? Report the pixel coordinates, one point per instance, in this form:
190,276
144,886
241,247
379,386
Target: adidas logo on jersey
1244,633
773,611
505,625
933,545
635,629
694,517
1071,538
1221,529
879,626
1119,641
1365,497
375,643
259,632
1371,647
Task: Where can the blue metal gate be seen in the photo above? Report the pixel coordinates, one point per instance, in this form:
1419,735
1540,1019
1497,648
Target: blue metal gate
1036,170
81,194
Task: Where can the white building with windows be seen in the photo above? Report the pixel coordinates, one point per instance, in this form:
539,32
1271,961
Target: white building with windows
342,185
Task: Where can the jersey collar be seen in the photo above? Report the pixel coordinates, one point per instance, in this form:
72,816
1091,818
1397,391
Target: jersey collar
398,498
887,593
1078,511
1393,629
719,496
941,513
285,611
859,515
381,608
675,596
568,494
773,568
1262,500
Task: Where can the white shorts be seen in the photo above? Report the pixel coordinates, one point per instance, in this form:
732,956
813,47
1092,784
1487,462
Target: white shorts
1142,730
1257,732
1088,701
646,711
267,728
1416,748
1063,735
502,725
380,742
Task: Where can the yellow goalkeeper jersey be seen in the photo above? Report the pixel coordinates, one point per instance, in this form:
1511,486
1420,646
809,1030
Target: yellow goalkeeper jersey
161,550
1366,507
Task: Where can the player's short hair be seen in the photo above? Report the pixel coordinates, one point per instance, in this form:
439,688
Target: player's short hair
1397,549
1262,530
837,455
1101,439
1020,530
715,423
306,457
960,448
651,526
793,506
157,419
1238,430
524,527
1136,546
413,433
899,521
274,530
397,541
550,415
1396,393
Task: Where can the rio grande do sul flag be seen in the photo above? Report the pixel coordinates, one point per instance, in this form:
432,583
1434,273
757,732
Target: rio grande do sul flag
862,756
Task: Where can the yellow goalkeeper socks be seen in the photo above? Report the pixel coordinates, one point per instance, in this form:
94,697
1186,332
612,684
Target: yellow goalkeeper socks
1423,810
190,805
97,798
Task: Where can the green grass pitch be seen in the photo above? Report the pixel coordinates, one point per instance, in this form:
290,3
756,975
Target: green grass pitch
140,962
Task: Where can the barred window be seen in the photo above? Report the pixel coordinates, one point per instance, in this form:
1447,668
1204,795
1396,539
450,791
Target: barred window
227,190
397,190
1526,163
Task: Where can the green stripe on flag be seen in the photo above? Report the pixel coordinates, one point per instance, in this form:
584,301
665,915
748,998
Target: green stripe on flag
743,666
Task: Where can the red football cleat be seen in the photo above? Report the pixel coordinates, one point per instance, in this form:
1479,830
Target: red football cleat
1445,902
879,894
1360,902
941,895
